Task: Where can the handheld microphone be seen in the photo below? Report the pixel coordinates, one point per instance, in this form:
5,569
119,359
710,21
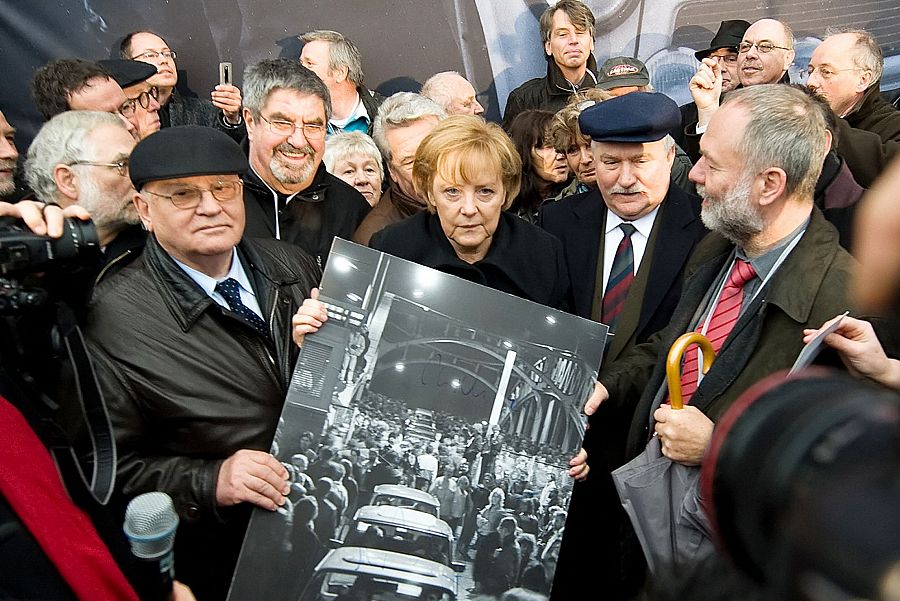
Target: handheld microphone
150,525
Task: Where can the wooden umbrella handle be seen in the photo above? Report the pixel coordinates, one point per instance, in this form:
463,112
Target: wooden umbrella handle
673,363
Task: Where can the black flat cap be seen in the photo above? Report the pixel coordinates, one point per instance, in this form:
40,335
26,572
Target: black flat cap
633,118
128,73
185,151
729,35
620,71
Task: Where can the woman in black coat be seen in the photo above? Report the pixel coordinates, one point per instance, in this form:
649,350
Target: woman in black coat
469,172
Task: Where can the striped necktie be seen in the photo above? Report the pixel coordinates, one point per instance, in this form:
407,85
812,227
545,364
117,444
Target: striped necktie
230,291
620,278
725,315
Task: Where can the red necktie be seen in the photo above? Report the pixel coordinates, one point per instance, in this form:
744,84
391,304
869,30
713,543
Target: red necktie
620,277
725,315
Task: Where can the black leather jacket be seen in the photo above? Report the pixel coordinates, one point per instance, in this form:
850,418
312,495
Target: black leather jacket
188,384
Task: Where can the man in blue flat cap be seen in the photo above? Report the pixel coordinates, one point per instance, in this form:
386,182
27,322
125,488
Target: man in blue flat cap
193,349
626,244
771,268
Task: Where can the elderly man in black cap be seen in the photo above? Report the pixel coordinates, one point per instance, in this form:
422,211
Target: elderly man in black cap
723,48
142,97
771,268
626,245
193,349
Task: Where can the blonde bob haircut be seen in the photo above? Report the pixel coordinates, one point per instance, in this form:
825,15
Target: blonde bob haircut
463,148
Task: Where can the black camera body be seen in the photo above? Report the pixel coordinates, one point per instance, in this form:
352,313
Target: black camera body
23,252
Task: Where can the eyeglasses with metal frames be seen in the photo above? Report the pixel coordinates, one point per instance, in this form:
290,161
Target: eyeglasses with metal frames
311,131
827,73
121,166
155,54
189,198
763,47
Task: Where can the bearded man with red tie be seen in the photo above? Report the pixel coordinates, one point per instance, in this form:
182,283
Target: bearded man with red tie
771,267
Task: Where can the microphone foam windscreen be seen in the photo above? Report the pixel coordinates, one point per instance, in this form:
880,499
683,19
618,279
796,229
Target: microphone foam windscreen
150,524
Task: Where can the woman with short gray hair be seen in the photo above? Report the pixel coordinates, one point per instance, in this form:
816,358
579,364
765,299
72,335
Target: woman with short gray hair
353,157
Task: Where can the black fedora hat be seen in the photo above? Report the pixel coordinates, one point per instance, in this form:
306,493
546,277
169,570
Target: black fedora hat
729,35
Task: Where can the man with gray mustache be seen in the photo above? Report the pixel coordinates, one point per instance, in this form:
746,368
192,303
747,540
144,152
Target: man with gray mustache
626,244
288,194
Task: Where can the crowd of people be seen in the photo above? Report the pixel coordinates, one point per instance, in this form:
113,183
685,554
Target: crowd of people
733,216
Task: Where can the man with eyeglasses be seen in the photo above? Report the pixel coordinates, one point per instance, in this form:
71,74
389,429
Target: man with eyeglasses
79,85
723,48
288,193
764,54
846,69
142,98
193,347
222,111
81,158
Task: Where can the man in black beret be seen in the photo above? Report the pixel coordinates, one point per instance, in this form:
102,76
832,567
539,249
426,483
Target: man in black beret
142,104
723,48
193,349
626,245
771,268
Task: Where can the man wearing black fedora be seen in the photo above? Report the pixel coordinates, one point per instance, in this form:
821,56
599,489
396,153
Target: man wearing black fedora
723,48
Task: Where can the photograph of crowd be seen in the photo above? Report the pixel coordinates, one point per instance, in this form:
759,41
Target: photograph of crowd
427,434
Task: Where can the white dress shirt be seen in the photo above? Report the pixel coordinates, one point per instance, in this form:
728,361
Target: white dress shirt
237,272
614,235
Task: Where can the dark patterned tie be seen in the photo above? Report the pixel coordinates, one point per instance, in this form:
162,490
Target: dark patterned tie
231,292
725,315
620,278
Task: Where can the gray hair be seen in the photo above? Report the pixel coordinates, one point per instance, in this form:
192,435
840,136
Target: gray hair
63,139
347,143
869,56
437,88
786,129
263,78
400,110
341,53
578,12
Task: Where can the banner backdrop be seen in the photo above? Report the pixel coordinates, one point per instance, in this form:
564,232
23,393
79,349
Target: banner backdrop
494,43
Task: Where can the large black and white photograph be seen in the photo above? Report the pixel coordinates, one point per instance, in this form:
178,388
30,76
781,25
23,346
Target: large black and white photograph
427,433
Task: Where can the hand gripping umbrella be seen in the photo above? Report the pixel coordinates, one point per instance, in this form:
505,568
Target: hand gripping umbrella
661,497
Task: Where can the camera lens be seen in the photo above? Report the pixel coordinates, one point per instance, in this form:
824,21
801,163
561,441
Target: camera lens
775,455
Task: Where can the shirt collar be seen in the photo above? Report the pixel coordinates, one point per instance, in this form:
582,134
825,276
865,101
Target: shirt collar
209,284
644,225
358,111
766,262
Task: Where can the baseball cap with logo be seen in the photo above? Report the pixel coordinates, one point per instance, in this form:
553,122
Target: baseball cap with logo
621,71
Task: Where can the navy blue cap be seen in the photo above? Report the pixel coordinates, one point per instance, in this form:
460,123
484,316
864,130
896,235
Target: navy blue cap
632,118
128,73
185,151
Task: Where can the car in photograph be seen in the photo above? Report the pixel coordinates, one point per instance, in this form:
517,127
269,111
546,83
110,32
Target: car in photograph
406,496
361,573
403,530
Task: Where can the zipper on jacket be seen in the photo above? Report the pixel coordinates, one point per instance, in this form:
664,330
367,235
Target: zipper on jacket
109,265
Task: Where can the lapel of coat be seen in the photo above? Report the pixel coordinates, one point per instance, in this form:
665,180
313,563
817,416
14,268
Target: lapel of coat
670,254
586,250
